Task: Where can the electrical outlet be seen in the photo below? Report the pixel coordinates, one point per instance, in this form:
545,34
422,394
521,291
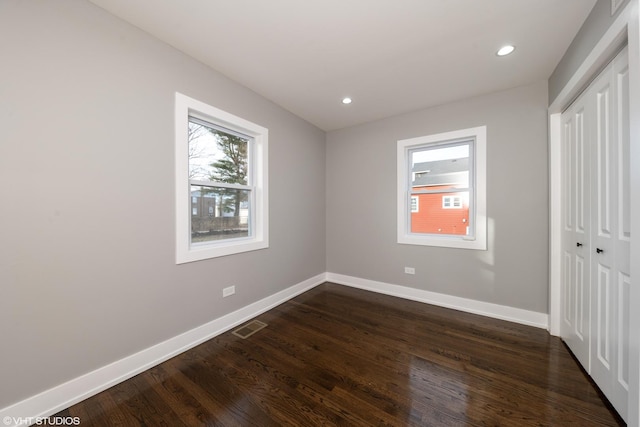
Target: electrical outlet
410,270
228,291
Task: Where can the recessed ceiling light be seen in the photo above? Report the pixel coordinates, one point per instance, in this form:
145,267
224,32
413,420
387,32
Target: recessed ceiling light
506,50
346,100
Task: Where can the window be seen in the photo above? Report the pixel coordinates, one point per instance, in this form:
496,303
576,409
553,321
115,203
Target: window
451,202
415,204
221,182
442,190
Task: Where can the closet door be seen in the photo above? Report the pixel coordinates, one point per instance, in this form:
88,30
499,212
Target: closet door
610,278
596,231
575,324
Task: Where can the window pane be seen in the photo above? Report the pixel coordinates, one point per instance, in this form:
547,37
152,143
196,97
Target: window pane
215,155
441,213
440,167
219,213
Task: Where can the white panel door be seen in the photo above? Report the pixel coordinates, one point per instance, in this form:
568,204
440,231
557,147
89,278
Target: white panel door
610,235
575,324
596,231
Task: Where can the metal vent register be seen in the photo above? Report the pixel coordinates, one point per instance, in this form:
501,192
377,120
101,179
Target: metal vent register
249,329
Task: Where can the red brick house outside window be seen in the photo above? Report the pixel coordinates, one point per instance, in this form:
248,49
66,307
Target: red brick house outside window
433,210
433,217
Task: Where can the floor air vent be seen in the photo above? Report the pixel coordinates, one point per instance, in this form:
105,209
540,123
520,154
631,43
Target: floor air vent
249,329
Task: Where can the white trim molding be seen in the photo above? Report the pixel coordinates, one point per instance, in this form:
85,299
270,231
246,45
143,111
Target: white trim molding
496,311
51,401
555,223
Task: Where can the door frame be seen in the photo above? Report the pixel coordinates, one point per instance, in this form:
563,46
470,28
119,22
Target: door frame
626,27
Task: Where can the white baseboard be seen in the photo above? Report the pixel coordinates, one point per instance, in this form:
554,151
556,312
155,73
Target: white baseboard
52,401
511,314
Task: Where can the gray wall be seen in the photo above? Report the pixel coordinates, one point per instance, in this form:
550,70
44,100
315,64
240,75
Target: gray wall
361,202
87,265
596,24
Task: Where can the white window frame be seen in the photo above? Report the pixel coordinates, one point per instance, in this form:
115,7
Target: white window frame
259,208
478,176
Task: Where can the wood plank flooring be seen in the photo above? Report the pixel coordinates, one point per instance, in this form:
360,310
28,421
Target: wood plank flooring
342,356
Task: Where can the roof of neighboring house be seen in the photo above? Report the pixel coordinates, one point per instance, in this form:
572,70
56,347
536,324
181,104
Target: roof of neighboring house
441,172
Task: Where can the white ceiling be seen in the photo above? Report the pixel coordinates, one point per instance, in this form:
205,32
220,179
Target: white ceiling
390,56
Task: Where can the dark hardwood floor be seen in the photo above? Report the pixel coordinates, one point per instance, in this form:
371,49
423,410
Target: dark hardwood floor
342,356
